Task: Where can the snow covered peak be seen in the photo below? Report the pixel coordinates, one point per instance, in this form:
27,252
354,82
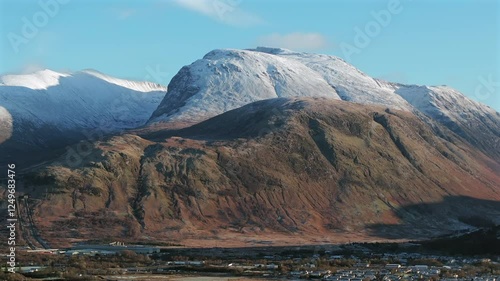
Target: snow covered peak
226,79
439,101
36,81
47,110
229,78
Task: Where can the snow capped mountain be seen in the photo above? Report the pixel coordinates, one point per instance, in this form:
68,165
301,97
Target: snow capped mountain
228,79
78,100
305,133
47,105
40,106
43,79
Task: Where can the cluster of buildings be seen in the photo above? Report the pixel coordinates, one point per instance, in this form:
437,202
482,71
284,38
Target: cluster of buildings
403,273
362,270
109,249
388,273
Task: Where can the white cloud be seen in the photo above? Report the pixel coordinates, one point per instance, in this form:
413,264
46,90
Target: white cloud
5,124
125,13
295,41
224,11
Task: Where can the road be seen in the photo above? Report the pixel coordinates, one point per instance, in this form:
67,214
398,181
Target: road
27,227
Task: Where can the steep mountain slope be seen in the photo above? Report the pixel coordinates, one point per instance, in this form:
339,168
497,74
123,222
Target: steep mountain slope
301,170
47,109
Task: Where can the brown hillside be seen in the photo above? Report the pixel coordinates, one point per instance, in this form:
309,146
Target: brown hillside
282,170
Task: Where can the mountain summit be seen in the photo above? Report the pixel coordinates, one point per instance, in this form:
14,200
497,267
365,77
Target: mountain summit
227,79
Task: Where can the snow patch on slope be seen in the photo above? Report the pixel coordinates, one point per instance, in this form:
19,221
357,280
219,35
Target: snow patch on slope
442,101
140,86
350,83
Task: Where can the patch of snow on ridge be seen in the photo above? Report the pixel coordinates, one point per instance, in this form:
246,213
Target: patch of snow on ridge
39,80
440,101
140,86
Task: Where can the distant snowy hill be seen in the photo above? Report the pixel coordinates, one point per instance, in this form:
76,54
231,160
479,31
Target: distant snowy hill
79,100
227,79
474,121
46,106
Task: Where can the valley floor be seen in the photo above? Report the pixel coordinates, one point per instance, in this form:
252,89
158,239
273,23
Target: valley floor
339,262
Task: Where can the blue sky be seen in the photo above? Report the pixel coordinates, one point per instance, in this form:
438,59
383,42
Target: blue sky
431,42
